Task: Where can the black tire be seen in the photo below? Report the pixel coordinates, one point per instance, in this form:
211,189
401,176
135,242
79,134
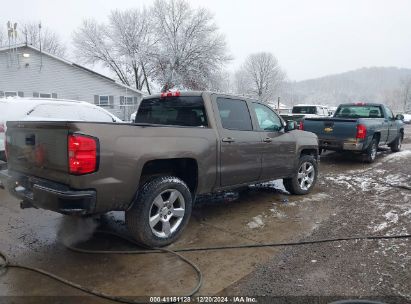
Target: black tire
293,184
371,152
3,156
396,145
145,207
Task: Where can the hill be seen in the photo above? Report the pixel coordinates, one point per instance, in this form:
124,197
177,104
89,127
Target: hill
376,84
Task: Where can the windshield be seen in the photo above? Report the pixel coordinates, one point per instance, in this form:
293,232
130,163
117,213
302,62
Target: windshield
179,111
359,111
304,110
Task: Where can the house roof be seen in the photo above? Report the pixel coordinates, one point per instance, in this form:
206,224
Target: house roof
75,65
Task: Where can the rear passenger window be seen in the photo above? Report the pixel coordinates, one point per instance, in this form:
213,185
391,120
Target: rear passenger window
186,111
234,114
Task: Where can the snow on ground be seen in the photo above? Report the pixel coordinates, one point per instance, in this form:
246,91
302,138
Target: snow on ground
276,184
391,218
315,198
277,213
257,222
369,180
396,156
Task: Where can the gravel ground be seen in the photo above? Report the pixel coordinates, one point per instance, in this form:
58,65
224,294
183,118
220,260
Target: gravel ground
363,204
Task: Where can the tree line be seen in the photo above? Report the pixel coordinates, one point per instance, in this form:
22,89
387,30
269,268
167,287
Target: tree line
165,46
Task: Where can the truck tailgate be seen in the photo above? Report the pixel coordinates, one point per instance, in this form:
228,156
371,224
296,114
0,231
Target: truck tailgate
39,149
332,128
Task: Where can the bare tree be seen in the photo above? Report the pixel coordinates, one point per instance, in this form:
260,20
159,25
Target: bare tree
243,85
220,81
189,47
260,76
31,34
123,45
406,94
132,34
93,44
3,39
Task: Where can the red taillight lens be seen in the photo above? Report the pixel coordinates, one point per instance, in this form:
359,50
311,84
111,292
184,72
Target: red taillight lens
170,94
361,132
82,154
2,128
301,126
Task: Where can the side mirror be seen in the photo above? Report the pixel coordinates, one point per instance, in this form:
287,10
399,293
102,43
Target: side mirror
290,125
399,117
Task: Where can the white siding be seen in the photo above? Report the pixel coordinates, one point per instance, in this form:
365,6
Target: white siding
45,74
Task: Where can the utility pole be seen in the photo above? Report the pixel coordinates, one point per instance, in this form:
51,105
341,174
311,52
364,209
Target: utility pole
278,104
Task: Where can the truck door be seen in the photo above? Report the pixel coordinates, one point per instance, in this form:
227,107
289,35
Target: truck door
240,159
392,126
277,147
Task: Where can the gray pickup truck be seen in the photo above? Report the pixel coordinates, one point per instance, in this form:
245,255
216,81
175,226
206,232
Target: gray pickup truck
179,146
358,127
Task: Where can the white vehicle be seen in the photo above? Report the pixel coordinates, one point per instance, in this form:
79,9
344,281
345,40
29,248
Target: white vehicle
48,109
310,111
133,116
302,111
407,118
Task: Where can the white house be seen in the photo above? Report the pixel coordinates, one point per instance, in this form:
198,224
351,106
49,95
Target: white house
27,72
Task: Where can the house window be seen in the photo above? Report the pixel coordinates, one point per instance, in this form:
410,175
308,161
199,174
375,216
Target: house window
128,101
44,95
103,101
10,94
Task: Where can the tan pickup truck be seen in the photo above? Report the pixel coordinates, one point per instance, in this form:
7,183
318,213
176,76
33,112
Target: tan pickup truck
178,147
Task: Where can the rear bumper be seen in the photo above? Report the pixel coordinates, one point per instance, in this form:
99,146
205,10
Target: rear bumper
336,145
43,194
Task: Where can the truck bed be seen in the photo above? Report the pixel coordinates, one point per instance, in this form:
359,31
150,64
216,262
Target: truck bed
40,150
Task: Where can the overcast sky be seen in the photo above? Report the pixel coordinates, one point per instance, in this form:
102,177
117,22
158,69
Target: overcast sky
310,38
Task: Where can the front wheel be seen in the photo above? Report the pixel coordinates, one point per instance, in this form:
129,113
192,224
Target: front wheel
304,178
160,212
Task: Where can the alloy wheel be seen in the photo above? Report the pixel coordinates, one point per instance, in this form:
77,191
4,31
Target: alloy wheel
306,175
166,213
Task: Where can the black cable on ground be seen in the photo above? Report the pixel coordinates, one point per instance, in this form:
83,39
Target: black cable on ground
209,248
6,264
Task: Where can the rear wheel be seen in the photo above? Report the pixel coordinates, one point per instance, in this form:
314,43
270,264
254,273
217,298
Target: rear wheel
304,178
371,152
397,144
161,211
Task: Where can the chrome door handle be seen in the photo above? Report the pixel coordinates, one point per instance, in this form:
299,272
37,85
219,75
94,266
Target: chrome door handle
228,139
267,140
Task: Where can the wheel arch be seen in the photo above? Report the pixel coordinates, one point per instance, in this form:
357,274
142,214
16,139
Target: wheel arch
309,151
184,168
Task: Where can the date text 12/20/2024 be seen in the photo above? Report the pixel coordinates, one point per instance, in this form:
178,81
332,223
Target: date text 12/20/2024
203,299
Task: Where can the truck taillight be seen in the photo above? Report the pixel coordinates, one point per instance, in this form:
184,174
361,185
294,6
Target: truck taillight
361,132
301,126
82,154
170,94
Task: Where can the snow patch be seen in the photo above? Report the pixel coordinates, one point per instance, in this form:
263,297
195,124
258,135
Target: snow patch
276,184
399,155
257,222
391,217
277,213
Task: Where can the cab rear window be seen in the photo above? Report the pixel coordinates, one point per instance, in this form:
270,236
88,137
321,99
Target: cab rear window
186,111
359,111
304,110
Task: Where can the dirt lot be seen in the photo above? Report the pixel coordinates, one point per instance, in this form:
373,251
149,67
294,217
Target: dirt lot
351,199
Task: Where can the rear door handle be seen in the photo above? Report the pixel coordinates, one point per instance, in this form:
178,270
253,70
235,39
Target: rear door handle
228,139
267,140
